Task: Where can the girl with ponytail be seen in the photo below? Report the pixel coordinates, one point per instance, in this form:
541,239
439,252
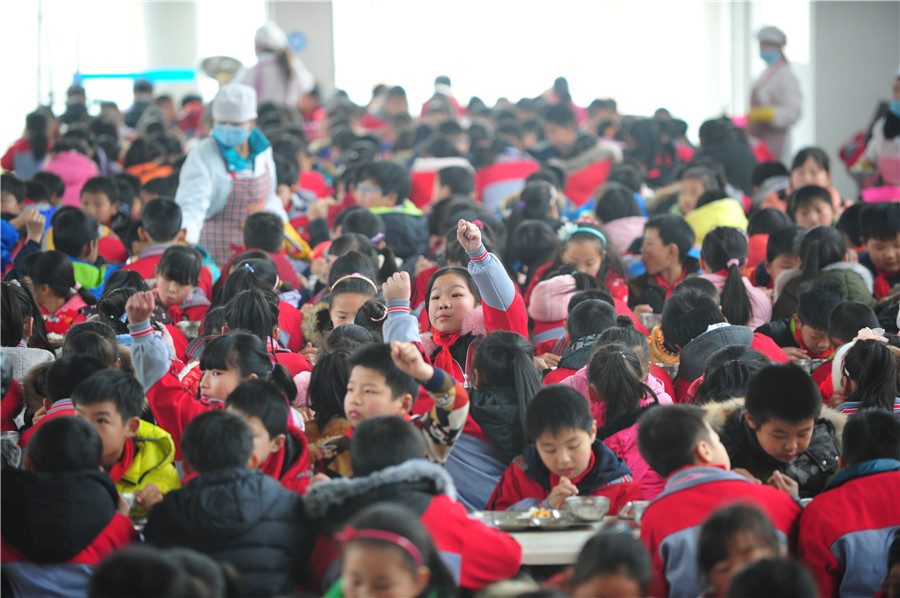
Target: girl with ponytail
722,256
869,377
52,278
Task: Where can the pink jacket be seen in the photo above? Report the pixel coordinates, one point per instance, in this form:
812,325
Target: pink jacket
74,169
622,232
760,304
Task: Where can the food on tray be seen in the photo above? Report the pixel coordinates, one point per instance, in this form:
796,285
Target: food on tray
539,513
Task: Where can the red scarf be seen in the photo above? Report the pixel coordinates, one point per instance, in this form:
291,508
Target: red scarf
554,479
444,359
799,338
670,287
118,470
882,286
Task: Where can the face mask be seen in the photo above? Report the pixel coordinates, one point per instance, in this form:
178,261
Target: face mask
230,135
894,107
769,56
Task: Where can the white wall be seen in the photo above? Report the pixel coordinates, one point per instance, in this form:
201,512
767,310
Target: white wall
315,20
856,54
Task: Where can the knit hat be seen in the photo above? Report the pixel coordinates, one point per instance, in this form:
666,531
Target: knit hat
271,36
550,298
772,35
235,103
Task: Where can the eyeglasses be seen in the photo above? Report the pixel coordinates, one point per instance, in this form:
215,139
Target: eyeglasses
368,189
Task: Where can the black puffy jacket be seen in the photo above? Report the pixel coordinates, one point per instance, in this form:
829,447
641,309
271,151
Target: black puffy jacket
496,410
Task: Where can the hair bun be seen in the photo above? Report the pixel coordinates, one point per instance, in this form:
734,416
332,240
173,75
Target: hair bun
624,322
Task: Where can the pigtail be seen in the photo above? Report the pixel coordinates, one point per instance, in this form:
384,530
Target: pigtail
387,264
327,387
615,374
281,378
872,365
735,301
821,246
254,310
725,248
526,379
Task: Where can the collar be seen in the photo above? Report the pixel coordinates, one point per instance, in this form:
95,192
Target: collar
118,470
554,479
61,405
798,337
153,251
235,162
863,469
670,287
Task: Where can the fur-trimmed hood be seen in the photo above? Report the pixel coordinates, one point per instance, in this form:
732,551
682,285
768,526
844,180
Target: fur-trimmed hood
718,413
324,498
472,324
310,324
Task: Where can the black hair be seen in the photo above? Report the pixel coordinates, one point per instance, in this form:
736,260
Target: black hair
725,248
699,285
561,115
548,173
880,221
254,310
535,202
668,435
458,178
11,183
362,222
613,553
17,304
245,352
592,233
767,170
590,317
806,195
624,333
783,242
775,578
287,170
616,374
66,373
55,269
37,126
164,187
556,408
390,176
125,279
53,182
848,318
328,385
370,317
402,521
101,184
871,434
262,399
73,230
815,302
821,246
721,528
784,392
712,179
153,571
111,385
361,285
181,264
849,224
65,445
161,219
93,338
767,221
727,373
126,193
615,201
111,308
377,357
37,192
629,175
530,245
143,150
675,229
687,315
458,271
265,231
248,273
506,359
217,440
384,441
356,242
873,367
816,153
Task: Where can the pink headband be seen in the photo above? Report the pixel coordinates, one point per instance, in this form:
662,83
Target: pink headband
354,275
349,534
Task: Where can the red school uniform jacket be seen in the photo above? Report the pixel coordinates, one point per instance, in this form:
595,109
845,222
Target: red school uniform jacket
693,493
290,465
145,265
527,482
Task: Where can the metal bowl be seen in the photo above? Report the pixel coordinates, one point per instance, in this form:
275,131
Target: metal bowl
650,320
588,508
634,509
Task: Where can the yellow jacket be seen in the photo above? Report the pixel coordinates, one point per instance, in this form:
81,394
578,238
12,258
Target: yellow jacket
154,453
723,212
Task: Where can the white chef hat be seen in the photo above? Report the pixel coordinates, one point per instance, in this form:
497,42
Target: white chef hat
235,103
271,36
772,35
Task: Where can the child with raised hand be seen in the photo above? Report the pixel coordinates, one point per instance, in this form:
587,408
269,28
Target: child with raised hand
731,538
52,279
611,564
722,257
387,552
454,301
385,380
564,459
137,455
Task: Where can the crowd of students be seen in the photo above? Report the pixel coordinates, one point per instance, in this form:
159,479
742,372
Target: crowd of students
484,308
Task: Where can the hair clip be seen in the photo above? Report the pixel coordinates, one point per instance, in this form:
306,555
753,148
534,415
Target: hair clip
349,534
377,239
248,267
479,224
123,318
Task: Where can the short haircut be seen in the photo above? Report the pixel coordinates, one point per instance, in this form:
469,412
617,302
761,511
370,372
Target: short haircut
673,229
556,408
816,153
458,178
362,222
377,357
880,221
561,115
668,435
816,302
615,201
287,171
11,183
37,192
102,184
262,399
850,225
53,182
805,196
687,315
767,221
767,170
64,374
265,231
65,444
720,529
162,220
783,242
217,440
699,285
112,385
871,434
146,567
848,318
784,392
775,578
590,317
72,230
391,177
613,553
181,264
384,441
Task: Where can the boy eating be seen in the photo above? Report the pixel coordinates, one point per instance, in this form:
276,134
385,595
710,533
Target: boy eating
565,458
805,334
138,455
